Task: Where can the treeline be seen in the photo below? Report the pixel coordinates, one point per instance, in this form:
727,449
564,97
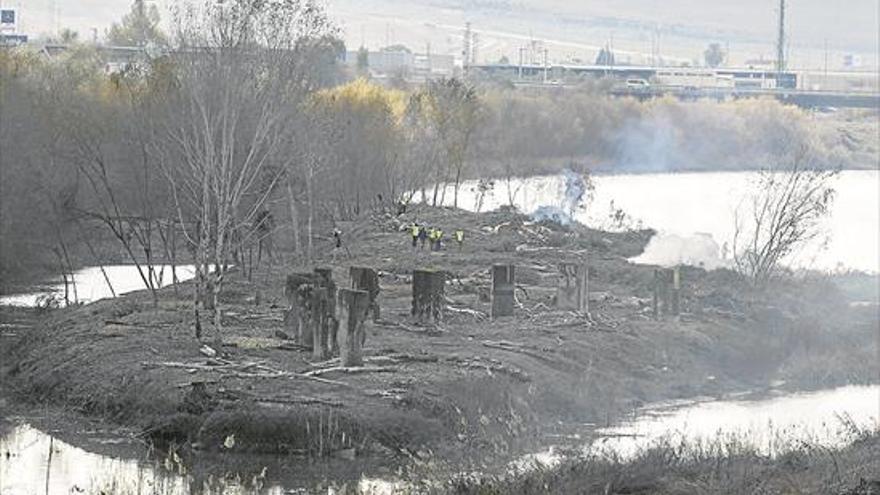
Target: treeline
247,130
551,129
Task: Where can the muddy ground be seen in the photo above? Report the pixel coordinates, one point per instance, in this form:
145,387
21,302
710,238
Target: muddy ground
470,389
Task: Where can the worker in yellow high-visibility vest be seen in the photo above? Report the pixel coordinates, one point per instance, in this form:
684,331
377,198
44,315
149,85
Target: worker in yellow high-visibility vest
438,242
414,232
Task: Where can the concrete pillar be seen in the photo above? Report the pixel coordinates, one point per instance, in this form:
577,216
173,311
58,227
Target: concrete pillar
292,316
429,295
311,310
667,292
572,293
503,287
326,316
353,308
675,302
657,298
306,314
366,279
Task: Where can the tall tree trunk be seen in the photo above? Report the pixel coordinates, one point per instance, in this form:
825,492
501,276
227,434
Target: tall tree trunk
311,216
294,218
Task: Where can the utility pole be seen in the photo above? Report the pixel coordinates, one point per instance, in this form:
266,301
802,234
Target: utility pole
522,60
825,71
466,48
428,57
475,46
546,63
780,44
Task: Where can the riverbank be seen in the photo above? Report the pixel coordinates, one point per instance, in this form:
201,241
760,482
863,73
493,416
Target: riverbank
723,467
470,389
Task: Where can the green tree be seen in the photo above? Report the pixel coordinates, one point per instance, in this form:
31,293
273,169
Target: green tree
454,111
363,61
68,36
139,27
714,55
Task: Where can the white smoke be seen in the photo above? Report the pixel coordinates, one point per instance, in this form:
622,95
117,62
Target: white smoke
575,187
670,250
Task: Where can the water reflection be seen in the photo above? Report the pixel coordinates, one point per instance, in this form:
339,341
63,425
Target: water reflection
771,426
34,463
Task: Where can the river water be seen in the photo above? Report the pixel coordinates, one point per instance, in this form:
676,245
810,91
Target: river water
92,284
685,204
35,462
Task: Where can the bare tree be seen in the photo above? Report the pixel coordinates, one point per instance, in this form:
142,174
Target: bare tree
782,213
240,74
454,110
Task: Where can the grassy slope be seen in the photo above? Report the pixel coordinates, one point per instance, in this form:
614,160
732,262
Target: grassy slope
450,390
674,469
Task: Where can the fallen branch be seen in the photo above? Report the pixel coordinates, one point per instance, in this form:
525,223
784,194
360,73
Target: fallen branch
234,370
351,370
479,315
396,324
415,358
491,367
512,347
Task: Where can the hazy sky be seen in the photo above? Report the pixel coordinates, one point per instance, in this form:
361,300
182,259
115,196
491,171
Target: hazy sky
848,25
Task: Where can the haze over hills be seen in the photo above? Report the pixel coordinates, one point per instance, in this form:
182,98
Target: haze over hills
641,31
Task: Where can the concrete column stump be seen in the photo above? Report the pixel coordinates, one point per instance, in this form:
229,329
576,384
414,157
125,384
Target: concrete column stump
293,316
572,293
311,310
667,292
366,279
429,295
353,308
325,323
503,287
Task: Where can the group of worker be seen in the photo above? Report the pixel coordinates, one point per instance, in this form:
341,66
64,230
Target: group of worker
422,234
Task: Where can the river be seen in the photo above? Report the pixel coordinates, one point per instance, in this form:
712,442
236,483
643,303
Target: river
685,204
92,284
36,462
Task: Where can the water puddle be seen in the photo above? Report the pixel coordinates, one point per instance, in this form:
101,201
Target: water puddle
34,462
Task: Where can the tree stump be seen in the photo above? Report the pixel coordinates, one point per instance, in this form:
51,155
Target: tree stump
366,279
667,292
353,308
326,324
572,292
503,286
429,295
311,311
293,316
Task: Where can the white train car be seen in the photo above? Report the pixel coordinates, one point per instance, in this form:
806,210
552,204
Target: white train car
688,77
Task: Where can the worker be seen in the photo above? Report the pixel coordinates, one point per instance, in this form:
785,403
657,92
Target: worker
423,235
438,239
459,237
338,246
415,231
